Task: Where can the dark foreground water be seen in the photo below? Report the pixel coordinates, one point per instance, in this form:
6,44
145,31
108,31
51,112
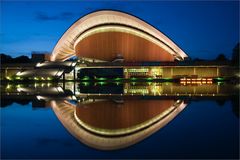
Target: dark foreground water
203,129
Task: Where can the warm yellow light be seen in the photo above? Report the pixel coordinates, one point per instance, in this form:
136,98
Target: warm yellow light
8,86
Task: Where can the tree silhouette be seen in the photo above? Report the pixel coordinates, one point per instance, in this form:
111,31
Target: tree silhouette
221,57
8,59
235,54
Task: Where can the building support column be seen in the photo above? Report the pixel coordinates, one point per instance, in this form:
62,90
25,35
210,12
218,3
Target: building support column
6,73
171,72
217,72
64,76
63,80
74,74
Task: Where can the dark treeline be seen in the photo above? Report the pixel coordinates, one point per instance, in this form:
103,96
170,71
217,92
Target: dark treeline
221,57
235,54
8,59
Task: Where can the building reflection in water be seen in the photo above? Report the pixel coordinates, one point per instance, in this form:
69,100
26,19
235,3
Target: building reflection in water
115,124
110,116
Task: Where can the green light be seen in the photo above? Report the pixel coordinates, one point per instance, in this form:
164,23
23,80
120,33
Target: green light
167,78
86,83
149,79
118,79
220,79
101,79
102,83
85,78
133,78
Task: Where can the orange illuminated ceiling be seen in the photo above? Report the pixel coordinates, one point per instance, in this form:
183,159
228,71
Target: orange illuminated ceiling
110,115
108,45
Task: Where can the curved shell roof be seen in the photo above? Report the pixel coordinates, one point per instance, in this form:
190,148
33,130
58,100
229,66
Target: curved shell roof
99,22
65,112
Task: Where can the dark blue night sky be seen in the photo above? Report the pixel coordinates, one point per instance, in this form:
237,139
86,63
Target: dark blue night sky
202,29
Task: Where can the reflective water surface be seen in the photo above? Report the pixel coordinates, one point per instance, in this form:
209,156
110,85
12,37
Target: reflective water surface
119,120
